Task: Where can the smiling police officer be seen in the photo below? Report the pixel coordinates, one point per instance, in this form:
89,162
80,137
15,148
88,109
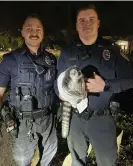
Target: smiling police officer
30,71
106,72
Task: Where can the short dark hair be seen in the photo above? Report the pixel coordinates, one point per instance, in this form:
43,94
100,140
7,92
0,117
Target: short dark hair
33,15
90,6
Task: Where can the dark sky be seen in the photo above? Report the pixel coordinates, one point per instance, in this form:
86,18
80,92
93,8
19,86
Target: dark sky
116,17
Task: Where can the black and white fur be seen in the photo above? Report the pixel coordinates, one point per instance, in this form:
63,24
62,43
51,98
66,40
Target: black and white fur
73,86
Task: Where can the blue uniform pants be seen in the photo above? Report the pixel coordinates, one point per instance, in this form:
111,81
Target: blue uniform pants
100,131
24,146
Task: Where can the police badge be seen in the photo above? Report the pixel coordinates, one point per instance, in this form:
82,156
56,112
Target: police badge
106,54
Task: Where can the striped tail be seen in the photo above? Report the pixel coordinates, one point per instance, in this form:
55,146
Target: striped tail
66,116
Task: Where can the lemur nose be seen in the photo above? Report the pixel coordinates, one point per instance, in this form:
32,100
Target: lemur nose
74,71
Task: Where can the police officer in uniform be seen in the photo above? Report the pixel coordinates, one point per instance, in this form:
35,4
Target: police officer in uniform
106,72
30,71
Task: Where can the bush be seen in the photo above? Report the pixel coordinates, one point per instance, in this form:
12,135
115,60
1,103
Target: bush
125,158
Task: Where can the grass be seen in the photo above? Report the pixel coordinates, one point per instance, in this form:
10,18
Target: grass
125,123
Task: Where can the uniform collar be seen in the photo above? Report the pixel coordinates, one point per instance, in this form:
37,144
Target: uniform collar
100,42
25,50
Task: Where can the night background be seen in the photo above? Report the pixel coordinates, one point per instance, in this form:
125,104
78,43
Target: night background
116,17
116,21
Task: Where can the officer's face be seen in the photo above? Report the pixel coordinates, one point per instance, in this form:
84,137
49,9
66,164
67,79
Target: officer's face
32,32
87,23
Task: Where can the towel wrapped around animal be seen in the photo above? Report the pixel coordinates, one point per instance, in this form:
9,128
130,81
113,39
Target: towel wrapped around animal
71,87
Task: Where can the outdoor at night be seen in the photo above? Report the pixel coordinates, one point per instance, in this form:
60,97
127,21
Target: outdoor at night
66,83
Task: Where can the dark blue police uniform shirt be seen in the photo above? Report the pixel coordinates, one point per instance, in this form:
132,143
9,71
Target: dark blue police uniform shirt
9,66
104,59
8,70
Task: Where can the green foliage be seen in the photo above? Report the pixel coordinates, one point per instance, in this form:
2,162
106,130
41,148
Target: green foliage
56,51
125,122
7,40
0,58
125,158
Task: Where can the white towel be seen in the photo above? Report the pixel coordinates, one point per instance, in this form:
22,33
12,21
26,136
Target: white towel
72,100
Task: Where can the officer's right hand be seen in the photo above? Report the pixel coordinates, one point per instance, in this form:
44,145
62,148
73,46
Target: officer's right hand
95,84
2,91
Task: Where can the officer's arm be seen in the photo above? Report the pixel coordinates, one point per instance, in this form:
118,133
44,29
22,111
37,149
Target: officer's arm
62,65
124,76
4,75
2,91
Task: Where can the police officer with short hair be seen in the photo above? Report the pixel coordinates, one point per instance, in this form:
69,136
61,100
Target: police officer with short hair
106,72
30,71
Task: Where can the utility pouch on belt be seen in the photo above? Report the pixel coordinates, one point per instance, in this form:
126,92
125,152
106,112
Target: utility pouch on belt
23,103
26,104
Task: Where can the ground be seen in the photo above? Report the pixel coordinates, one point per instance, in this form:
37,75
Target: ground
124,122
5,150
6,153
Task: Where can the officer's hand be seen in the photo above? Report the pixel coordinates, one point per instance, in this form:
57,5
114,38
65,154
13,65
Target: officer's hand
95,84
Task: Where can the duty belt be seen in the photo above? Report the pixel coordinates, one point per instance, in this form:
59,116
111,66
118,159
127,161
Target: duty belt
87,114
36,114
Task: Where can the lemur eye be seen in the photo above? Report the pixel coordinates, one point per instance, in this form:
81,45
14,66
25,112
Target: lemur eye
74,72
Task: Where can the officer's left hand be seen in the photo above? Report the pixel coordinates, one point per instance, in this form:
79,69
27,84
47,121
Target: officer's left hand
95,84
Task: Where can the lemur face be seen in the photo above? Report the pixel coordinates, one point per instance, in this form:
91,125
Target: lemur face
75,74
